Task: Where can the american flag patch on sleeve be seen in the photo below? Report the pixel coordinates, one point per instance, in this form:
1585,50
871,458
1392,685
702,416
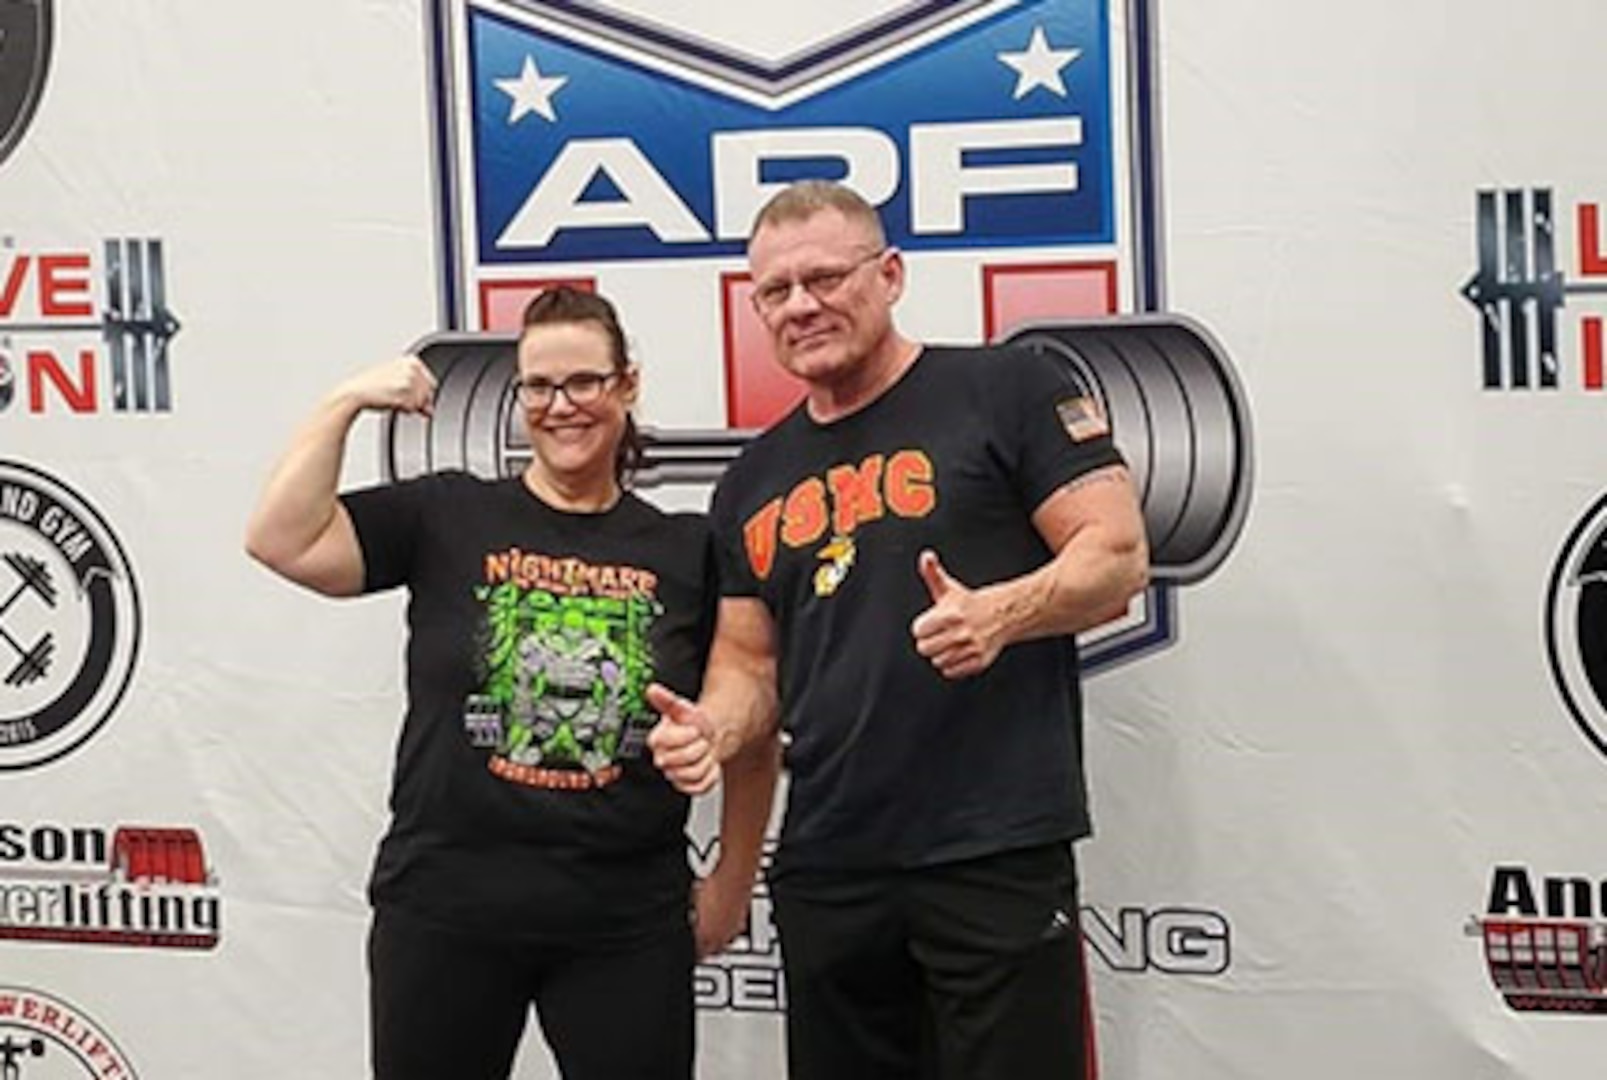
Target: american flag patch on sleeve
1082,418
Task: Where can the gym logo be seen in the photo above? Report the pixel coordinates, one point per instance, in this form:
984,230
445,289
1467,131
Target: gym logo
1521,291
583,145
1576,624
69,618
25,29
84,330
1545,941
42,1037
133,886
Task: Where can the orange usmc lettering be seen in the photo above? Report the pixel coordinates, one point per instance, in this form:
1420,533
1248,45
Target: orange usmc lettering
849,496
803,518
909,484
855,494
759,537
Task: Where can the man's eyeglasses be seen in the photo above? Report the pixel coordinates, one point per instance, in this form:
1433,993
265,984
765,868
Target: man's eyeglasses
822,284
582,388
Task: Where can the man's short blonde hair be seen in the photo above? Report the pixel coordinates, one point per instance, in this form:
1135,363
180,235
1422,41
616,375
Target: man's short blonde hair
806,198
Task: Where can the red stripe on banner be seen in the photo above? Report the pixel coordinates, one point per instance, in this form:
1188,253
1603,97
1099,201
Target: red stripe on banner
758,392
1015,295
162,939
1590,331
502,303
1090,1069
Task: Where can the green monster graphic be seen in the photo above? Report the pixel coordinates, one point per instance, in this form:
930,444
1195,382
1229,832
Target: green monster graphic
564,679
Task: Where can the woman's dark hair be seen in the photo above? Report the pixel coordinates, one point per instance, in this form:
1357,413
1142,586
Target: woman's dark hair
567,304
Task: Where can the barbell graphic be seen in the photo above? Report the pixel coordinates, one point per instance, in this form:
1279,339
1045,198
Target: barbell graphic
1174,405
1518,289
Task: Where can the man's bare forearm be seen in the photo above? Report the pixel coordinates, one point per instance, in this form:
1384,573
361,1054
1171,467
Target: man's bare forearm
740,700
748,792
1102,562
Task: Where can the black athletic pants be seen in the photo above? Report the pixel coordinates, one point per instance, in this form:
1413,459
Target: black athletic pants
971,970
452,1006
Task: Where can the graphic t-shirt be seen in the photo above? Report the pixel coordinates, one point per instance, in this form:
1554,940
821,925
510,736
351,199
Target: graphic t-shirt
522,802
891,764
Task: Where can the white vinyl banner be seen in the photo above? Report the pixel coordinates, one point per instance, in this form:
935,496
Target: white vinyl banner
1336,273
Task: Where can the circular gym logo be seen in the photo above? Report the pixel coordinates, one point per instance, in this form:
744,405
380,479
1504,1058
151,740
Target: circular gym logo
69,618
1576,623
44,1036
24,60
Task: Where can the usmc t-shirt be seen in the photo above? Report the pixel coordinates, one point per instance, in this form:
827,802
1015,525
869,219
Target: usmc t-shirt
523,803
892,765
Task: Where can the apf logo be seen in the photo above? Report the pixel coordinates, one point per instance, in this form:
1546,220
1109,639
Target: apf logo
25,32
68,346
1545,941
134,886
69,618
1576,623
1521,290
45,1036
1008,144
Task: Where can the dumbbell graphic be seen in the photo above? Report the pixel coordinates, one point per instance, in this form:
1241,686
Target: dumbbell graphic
1518,289
33,661
1174,406
137,326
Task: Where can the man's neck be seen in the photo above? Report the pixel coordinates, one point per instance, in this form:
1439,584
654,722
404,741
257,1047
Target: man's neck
830,401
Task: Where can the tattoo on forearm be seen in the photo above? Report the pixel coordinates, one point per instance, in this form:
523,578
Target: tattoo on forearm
1110,474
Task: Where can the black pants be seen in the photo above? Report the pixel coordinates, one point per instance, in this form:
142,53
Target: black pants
964,971
451,1006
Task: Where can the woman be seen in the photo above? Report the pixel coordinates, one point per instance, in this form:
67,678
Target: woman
534,855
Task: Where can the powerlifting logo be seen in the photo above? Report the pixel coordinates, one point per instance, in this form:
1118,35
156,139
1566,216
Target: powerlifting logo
1164,940
84,329
43,1036
25,34
1545,941
133,886
1527,242
69,618
1009,145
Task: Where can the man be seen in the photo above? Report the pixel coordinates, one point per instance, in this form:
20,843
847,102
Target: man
904,559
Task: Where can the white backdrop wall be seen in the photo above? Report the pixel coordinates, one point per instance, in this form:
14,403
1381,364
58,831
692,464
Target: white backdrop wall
1348,748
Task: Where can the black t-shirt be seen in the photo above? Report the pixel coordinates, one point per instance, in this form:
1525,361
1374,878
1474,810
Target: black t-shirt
891,764
523,803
